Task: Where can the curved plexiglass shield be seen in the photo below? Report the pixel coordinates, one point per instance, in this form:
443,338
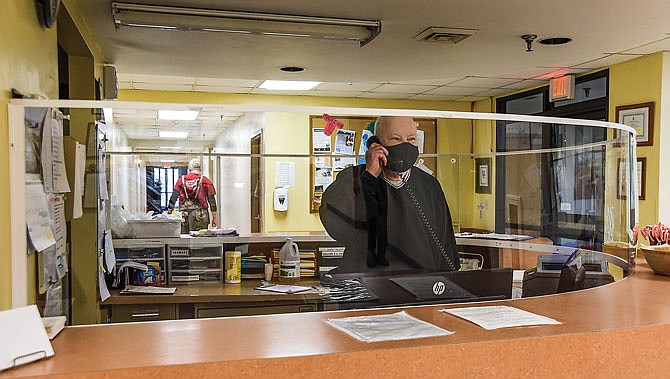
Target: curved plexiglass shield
290,211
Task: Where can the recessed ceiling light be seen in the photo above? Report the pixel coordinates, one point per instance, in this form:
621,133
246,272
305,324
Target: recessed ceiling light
177,115
288,85
292,69
167,160
555,40
179,135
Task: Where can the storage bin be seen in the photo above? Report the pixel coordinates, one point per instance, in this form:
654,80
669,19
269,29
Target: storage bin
156,228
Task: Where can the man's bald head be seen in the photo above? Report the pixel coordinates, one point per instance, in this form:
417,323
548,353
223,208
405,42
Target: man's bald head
394,130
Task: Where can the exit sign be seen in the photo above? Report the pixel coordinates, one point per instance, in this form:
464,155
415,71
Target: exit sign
562,88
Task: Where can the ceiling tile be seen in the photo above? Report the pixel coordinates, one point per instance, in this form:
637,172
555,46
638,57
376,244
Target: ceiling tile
452,90
528,83
605,61
221,89
125,85
649,48
346,86
483,82
123,77
335,93
162,79
434,97
220,82
429,82
554,72
403,88
386,95
494,92
472,98
260,91
163,87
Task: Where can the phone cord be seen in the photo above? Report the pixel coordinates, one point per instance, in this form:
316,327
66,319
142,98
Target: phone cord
429,228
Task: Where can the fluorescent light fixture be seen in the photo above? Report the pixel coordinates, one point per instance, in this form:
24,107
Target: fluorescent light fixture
179,135
215,20
167,160
288,85
164,114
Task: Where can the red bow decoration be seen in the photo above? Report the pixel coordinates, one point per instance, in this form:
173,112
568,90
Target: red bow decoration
331,124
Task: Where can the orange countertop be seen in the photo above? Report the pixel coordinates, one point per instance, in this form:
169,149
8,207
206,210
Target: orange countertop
617,330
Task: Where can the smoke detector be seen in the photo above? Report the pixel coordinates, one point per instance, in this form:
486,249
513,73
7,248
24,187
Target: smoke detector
444,35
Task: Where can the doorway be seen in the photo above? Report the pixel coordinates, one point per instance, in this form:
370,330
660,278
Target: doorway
255,181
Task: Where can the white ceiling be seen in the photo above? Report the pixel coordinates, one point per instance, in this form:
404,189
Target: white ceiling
393,65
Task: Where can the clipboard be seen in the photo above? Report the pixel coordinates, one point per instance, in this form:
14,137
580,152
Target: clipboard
24,338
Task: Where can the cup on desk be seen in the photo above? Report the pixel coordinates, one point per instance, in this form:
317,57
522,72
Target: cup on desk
269,268
233,266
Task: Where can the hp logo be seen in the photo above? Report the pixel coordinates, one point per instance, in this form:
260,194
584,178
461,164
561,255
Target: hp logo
438,288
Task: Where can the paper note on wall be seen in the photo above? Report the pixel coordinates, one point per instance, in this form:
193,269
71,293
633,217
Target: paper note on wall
37,217
285,174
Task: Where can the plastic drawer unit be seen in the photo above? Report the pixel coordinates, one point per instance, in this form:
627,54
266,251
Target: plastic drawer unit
148,252
199,263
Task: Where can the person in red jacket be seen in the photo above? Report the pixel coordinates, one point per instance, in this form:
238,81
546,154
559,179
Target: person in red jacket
196,198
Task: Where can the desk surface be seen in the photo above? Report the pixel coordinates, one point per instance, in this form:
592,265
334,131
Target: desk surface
215,293
617,330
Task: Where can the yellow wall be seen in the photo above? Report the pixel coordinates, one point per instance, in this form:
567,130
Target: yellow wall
289,133
28,62
640,81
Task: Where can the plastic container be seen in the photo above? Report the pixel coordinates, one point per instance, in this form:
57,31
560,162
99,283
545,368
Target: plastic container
289,262
156,228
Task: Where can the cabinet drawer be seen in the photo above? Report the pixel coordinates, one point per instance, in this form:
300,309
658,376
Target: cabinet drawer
195,264
148,312
249,311
195,276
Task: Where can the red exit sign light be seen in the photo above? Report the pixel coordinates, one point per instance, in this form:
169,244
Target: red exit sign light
562,88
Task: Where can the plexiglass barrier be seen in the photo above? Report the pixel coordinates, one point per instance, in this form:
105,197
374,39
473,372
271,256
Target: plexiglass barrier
494,207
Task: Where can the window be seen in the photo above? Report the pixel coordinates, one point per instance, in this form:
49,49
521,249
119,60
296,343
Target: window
161,182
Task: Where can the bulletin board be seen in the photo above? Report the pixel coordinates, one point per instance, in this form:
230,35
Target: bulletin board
326,162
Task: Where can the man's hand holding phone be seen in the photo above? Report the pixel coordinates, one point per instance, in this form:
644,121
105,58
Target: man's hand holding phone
375,159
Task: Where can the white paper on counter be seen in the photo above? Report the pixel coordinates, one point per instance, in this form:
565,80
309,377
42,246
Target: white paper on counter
388,327
496,317
24,338
37,217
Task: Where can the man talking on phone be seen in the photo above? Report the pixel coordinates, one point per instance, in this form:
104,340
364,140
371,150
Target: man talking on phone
389,214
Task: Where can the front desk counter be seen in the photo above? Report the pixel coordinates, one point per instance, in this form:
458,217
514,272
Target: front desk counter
620,330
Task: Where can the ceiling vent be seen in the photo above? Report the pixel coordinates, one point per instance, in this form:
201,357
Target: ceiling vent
444,35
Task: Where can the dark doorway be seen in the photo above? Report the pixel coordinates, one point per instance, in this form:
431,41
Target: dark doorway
256,180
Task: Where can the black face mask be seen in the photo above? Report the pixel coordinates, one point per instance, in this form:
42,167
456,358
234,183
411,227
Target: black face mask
401,157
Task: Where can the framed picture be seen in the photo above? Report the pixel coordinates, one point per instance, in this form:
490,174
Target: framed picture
641,177
483,175
639,117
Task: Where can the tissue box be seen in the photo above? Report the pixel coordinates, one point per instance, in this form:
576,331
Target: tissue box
156,228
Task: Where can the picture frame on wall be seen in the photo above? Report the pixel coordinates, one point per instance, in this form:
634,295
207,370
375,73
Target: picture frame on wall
483,179
639,117
640,178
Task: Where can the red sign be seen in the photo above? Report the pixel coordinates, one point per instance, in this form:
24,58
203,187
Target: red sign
562,88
